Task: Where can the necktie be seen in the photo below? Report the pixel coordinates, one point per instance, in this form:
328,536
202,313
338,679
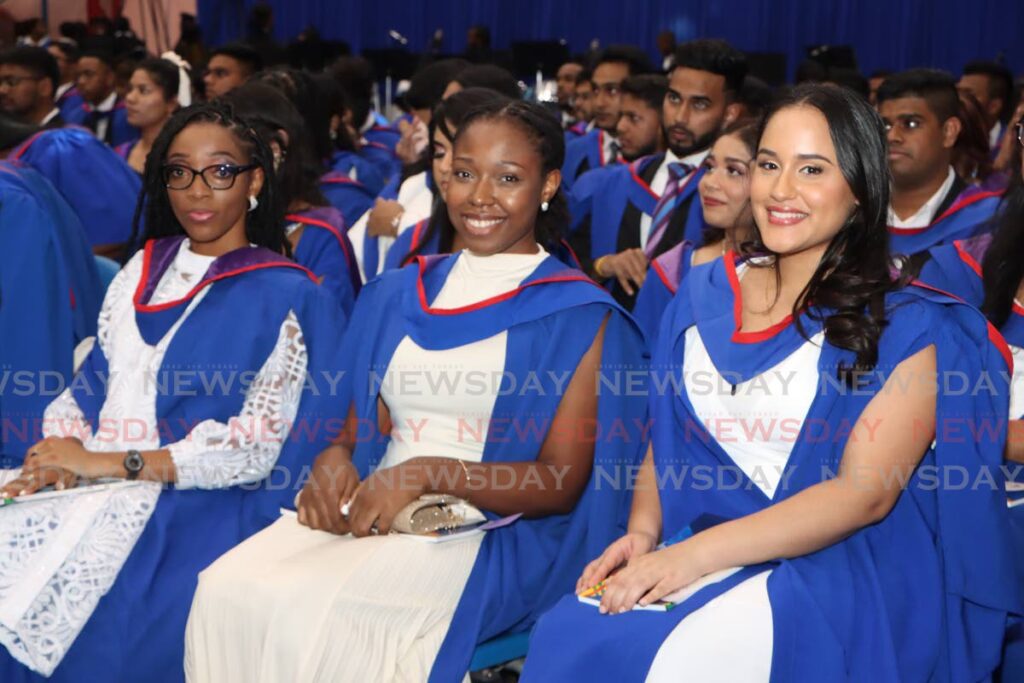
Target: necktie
677,171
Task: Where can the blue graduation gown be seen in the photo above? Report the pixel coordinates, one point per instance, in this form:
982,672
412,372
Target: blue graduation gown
70,103
660,285
95,181
922,595
119,130
137,631
348,196
521,569
325,250
956,268
385,135
379,149
50,296
367,173
582,154
970,213
410,239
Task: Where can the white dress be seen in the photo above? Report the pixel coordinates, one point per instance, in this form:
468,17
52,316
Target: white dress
59,556
730,639
416,199
300,605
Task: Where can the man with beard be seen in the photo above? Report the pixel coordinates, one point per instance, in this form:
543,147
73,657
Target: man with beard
930,204
599,147
624,216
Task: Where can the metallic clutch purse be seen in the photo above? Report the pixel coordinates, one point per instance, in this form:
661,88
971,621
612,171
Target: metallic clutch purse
434,512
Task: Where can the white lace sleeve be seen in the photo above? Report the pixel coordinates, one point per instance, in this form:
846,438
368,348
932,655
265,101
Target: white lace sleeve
63,418
244,450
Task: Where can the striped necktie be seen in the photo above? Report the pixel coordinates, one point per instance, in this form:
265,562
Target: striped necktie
677,171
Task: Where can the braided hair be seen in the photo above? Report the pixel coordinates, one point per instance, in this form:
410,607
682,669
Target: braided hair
264,226
545,133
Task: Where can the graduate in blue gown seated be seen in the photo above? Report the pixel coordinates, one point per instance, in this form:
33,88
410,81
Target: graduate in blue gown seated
931,204
805,475
316,230
987,272
49,298
375,138
624,216
348,195
197,395
155,92
344,155
362,605
408,198
102,111
96,182
599,147
436,234
67,98
724,190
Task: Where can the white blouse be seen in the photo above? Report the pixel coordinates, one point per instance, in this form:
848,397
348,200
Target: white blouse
60,555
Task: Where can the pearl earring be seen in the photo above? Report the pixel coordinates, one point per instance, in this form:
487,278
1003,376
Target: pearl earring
544,206
253,203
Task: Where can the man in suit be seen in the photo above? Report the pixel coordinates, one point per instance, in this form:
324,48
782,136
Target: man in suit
624,216
599,146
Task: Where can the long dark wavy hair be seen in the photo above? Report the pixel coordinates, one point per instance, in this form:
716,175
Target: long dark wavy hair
1002,267
545,133
264,226
452,110
848,288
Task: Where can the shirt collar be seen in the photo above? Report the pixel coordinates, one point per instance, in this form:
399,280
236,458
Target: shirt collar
924,216
49,117
368,123
107,104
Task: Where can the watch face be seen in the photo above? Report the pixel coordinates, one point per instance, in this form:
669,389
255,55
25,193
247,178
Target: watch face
134,462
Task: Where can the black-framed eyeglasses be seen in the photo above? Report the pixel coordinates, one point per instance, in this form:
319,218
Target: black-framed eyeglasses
216,177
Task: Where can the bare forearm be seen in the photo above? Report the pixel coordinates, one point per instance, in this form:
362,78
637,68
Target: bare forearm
645,513
813,519
533,488
159,465
1015,441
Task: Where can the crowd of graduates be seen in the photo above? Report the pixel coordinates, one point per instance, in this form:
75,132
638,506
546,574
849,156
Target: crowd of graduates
249,320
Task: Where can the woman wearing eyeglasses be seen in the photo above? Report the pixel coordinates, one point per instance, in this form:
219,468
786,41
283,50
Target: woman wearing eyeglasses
185,403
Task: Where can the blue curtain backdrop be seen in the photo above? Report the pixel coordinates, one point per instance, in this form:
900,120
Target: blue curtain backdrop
891,34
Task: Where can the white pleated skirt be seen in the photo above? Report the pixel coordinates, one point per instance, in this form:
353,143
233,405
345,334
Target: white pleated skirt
292,604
